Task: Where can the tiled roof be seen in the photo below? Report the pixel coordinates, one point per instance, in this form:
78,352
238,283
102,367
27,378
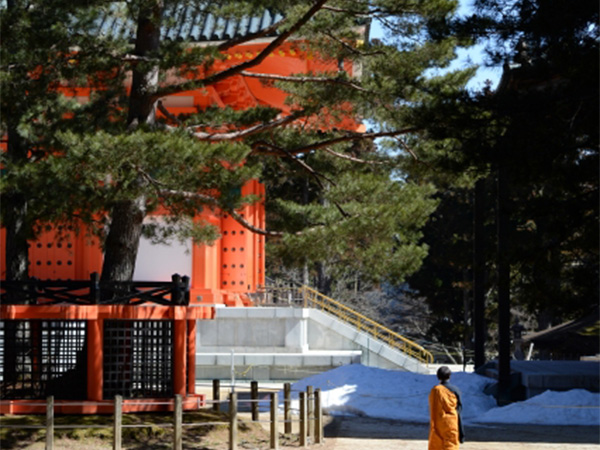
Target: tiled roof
189,23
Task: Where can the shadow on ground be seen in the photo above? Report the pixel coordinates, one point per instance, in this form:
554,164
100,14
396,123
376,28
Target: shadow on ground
370,428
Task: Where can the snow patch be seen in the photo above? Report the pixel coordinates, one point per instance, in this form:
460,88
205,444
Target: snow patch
391,394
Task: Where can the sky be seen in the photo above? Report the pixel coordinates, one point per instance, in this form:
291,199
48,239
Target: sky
466,57
475,56
391,394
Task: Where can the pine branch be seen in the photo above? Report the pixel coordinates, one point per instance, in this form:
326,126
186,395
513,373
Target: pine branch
283,152
412,153
258,128
233,135
374,13
350,48
350,158
235,70
208,200
268,76
356,13
167,113
313,172
212,201
130,58
163,191
408,149
261,148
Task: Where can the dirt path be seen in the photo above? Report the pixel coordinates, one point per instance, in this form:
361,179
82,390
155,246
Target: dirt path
359,433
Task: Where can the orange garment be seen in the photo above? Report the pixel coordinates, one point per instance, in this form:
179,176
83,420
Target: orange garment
443,425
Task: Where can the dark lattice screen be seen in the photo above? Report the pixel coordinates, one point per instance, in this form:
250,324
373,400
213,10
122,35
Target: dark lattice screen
138,358
43,357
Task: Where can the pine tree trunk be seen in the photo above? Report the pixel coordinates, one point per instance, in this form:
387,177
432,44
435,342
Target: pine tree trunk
16,247
123,240
16,250
15,216
479,325
144,82
323,279
16,254
127,217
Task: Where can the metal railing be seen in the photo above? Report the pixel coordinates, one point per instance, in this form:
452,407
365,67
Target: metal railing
314,299
278,293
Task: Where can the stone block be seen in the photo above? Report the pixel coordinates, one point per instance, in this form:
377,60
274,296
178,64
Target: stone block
288,360
259,359
206,360
232,313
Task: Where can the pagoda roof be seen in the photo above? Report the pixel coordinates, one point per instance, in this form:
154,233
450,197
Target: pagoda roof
190,23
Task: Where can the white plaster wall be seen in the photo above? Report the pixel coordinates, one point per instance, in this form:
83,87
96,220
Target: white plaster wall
158,262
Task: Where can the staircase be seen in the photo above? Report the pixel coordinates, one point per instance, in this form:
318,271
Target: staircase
314,299
294,333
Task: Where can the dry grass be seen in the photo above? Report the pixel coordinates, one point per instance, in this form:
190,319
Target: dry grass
214,435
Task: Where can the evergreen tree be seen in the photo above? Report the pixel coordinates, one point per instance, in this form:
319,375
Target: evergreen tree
122,155
540,125
36,56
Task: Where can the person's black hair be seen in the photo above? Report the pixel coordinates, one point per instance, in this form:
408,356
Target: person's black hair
443,373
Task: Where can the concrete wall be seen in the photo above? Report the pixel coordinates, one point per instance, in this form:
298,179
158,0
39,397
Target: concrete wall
251,330
286,344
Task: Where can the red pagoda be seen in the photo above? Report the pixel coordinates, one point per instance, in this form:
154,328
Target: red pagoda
71,340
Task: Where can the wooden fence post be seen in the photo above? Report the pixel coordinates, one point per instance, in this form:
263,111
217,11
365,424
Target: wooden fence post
318,417
254,400
302,405
274,424
177,424
233,431
216,395
287,408
118,423
309,411
49,423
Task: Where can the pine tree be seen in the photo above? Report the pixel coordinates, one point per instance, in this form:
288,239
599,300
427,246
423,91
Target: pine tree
115,159
540,125
36,56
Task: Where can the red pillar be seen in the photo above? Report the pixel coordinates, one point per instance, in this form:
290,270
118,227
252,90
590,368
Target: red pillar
94,359
179,357
191,356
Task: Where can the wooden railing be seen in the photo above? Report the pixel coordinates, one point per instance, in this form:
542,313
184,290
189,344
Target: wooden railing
96,292
309,417
314,299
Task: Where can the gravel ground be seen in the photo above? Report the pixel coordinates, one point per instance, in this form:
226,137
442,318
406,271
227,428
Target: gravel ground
361,433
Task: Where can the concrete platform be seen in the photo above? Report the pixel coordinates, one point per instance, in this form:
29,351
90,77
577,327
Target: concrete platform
270,366
284,343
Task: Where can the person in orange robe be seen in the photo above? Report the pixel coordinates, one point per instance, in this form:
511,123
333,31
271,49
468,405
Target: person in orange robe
445,428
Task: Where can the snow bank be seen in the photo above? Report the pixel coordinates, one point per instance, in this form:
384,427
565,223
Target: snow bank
367,391
575,407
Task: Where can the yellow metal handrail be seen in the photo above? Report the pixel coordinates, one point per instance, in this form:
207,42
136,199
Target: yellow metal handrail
315,299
